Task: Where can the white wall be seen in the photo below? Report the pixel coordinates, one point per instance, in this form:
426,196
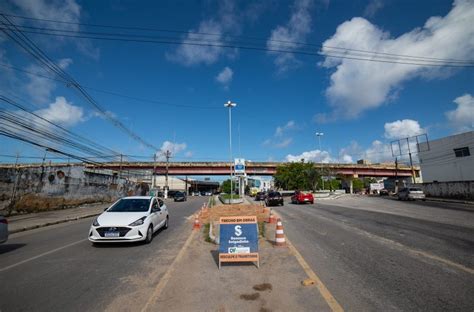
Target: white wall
440,163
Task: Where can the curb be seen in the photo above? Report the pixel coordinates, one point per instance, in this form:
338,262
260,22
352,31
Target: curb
37,226
441,200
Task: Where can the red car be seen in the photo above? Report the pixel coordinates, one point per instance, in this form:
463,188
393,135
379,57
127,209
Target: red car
300,198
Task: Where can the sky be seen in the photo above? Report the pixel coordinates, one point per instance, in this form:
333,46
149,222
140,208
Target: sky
279,61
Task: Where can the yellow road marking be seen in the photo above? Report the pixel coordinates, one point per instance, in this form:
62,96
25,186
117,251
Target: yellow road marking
325,293
164,280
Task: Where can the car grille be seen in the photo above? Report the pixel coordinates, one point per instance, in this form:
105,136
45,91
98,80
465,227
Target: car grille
122,230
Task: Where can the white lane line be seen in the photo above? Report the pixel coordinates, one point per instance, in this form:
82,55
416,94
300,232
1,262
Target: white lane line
397,245
41,255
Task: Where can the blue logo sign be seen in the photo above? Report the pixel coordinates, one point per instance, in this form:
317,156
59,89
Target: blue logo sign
238,238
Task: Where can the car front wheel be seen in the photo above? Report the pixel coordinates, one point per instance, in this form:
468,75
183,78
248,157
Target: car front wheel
166,223
149,235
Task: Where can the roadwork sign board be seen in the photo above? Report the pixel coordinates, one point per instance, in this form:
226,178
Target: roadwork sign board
238,239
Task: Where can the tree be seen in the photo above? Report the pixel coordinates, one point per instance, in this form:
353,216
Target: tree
226,186
297,176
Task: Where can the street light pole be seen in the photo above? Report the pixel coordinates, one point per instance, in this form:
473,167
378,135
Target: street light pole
319,135
229,105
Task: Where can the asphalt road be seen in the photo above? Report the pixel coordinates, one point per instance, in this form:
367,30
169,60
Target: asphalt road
57,269
378,254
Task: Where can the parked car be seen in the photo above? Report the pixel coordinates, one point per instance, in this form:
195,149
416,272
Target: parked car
208,193
274,198
3,229
301,198
411,193
384,192
260,196
171,193
196,194
180,196
130,219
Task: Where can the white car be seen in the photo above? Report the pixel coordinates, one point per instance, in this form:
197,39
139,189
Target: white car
3,229
130,219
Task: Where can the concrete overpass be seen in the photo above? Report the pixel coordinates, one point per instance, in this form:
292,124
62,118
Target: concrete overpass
257,168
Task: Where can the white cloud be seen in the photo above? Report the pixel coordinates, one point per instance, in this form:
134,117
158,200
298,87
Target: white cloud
284,143
174,149
60,10
377,152
188,154
290,36
38,88
225,76
280,130
314,156
357,86
62,112
373,7
210,31
400,129
462,118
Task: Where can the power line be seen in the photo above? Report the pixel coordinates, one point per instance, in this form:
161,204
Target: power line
33,50
343,53
228,36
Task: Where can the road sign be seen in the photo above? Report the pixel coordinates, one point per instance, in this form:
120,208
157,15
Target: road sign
238,239
239,166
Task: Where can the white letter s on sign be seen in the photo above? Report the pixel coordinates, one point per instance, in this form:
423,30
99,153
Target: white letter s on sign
238,230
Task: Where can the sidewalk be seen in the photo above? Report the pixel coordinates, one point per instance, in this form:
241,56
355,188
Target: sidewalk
31,221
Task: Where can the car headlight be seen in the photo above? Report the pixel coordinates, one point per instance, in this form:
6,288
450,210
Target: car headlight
138,222
96,223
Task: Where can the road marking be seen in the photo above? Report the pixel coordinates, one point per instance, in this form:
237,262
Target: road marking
400,246
164,280
325,293
41,255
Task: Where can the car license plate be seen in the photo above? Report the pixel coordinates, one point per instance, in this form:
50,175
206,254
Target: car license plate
306,199
111,234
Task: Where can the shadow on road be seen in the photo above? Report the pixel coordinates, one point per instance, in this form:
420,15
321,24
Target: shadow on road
126,244
10,247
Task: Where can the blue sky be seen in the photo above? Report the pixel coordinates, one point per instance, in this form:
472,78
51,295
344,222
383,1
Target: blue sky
282,98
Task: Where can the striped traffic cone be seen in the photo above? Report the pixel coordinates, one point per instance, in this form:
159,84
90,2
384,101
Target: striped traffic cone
196,225
279,235
272,218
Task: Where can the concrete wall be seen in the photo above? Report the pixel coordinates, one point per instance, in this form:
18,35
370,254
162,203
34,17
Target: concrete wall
455,190
68,182
439,162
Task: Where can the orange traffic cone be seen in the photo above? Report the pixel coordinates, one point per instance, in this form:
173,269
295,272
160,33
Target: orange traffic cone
271,219
196,225
279,235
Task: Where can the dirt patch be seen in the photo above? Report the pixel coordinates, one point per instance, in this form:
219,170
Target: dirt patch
263,287
214,213
263,309
250,297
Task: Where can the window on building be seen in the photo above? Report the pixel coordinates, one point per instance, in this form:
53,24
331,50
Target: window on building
462,152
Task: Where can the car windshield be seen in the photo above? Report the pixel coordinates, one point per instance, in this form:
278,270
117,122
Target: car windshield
414,189
274,194
131,205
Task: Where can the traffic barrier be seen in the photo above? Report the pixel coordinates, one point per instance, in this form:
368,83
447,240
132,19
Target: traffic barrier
272,218
196,225
279,235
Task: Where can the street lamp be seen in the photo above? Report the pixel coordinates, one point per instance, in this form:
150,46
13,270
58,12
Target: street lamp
229,105
319,135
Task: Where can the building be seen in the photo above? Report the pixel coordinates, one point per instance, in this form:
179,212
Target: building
448,159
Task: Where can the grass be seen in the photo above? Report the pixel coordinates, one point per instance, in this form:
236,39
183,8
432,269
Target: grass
261,229
227,196
206,228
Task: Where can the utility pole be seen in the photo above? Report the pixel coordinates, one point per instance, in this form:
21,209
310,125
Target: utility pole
396,174
167,155
12,198
120,169
229,105
153,182
319,135
411,163
40,184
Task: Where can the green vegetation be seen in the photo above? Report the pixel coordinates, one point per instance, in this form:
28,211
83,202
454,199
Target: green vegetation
227,196
261,229
206,228
304,176
226,186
